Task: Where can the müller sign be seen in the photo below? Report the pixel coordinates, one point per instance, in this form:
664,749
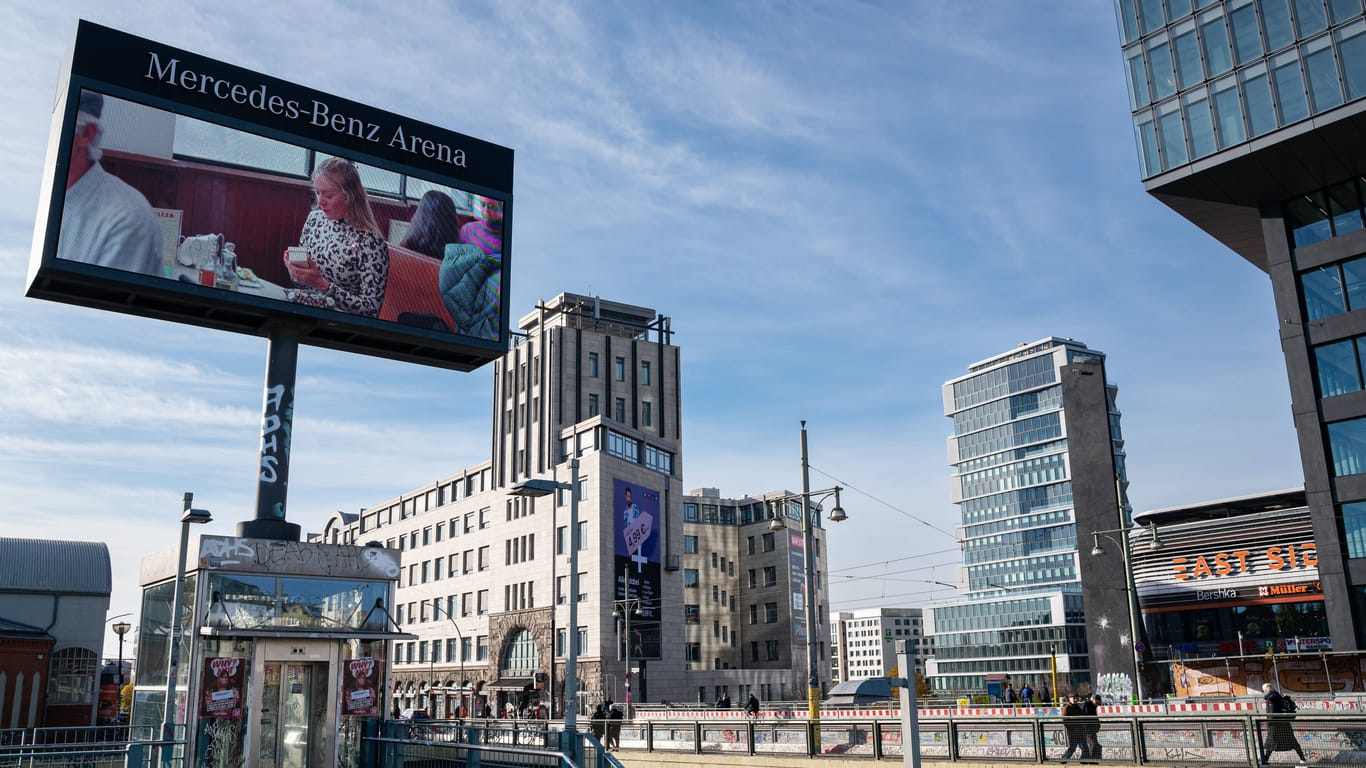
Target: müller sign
1245,561
316,112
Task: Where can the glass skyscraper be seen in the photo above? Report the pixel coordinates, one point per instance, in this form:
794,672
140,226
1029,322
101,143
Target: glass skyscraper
1031,427
1249,118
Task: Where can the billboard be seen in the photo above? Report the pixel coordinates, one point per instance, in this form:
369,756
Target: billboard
638,529
183,188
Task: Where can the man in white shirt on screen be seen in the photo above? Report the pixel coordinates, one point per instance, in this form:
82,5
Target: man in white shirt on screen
104,221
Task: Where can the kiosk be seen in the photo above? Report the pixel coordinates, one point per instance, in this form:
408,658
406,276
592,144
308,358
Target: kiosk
284,649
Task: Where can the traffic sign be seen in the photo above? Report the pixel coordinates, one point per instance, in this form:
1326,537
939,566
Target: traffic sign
1139,647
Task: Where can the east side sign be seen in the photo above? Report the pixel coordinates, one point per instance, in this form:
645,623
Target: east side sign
1245,561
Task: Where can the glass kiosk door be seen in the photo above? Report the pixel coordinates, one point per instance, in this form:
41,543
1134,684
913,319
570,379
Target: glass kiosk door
295,709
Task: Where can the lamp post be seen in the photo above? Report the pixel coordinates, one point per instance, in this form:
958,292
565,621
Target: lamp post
538,487
121,629
813,683
187,516
436,606
624,609
1127,556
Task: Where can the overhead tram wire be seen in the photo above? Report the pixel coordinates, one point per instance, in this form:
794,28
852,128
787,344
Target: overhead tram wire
909,557
889,505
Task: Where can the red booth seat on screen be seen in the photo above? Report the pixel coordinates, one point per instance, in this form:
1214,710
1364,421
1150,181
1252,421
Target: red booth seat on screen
412,287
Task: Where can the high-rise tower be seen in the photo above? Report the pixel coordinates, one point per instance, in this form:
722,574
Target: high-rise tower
1251,123
1038,466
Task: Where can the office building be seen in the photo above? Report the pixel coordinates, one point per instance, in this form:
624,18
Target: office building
1038,465
1250,119
744,630
484,583
863,642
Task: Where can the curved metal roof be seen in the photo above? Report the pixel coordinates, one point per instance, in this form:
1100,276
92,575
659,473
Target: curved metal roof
44,565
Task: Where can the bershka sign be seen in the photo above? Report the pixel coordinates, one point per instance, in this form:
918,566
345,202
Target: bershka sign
1278,559
189,79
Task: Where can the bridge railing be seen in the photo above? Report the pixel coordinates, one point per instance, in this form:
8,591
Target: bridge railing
1216,740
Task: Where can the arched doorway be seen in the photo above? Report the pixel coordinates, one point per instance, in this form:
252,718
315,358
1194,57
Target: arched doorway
518,695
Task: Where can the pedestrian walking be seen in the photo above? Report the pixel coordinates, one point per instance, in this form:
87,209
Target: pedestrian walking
1090,710
614,727
1280,733
1074,725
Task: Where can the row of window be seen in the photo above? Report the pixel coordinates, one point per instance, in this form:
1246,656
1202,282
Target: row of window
473,649
443,494
1211,44
1019,544
443,608
1008,379
618,369
1003,506
1041,519
1145,17
1009,455
1286,88
1036,429
1007,410
1030,472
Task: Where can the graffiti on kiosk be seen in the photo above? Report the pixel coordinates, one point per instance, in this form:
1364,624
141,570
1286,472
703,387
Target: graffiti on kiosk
263,556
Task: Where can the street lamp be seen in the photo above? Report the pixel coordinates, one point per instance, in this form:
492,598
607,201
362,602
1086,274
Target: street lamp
436,606
539,487
1126,555
624,609
121,629
813,684
187,516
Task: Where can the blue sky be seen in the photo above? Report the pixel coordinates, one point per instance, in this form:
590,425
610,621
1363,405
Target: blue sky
841,205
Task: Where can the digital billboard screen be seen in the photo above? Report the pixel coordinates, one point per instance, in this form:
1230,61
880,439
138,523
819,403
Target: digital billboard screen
183,188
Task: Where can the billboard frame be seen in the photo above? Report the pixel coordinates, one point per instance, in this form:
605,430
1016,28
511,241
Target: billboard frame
102,59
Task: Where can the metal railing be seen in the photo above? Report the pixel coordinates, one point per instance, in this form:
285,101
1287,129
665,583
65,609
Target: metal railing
1232,739
488,743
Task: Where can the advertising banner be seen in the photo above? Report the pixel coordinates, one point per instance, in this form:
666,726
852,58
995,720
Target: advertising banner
223,687
184,188
360,687
637,562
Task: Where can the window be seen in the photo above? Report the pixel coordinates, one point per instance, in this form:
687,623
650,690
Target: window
1348,442
692,652
1334,289
770,613
749,546
483,599
753,578
768,542
645,373
754,614
689,512
713,560
689,545
592,405
1339,366
770,575
715,593
754,650
620,369
691,614
620,409
561,540
690,578
645,416
1354,528
771,648
482,648
484,558
593,364
484,517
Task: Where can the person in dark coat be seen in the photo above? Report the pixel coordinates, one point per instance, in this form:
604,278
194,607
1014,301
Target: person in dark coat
1074,725
1280,734
599,722
614,727
752,706
1090,710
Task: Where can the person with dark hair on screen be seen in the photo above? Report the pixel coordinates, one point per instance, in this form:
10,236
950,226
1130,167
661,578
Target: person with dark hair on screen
347,261
434,224
105,221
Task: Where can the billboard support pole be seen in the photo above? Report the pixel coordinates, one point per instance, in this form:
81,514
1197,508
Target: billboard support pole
277,417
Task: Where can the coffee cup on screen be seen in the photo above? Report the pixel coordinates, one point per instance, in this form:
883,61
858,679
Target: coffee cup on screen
297,254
